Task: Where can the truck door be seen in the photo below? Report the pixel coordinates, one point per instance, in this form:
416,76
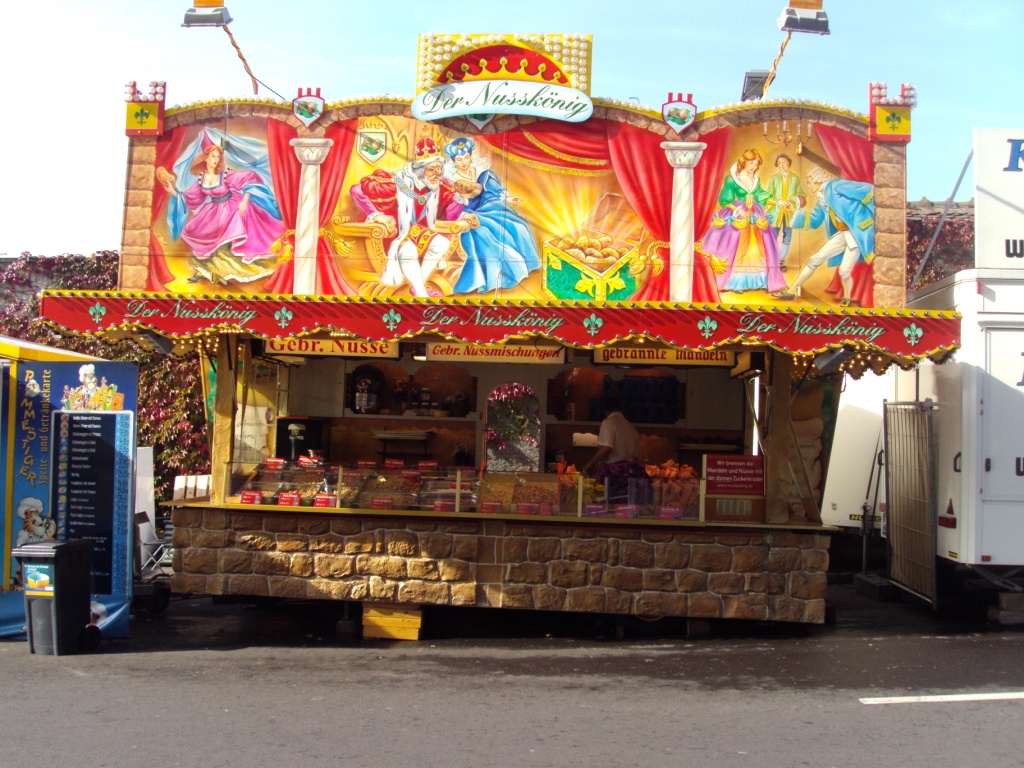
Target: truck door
910,490
1001,517
1002,417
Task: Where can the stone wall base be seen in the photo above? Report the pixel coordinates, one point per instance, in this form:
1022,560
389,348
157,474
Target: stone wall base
650,572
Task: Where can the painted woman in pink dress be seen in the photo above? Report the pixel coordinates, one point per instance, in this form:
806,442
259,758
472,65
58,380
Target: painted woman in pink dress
234,219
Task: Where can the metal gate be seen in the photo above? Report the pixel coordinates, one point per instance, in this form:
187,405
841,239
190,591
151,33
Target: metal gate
910,490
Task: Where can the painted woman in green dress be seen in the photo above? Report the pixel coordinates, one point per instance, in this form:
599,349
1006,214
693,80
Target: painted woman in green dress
741,233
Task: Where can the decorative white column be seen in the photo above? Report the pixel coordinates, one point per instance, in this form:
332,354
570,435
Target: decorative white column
311,152
683,156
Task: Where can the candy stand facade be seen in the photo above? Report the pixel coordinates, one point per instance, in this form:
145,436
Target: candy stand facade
376,281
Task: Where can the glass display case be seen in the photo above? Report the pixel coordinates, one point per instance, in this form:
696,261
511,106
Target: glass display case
285,483
280,483
389,490
454,490
529,493
450,494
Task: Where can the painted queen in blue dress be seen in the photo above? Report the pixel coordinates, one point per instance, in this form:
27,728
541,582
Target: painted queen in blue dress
502,251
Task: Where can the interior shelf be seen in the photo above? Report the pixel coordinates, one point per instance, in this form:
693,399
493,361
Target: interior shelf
708,447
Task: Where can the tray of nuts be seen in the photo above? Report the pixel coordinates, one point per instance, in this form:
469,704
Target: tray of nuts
385,500
444,499
346,494
308,491
534,493
496,496
389,491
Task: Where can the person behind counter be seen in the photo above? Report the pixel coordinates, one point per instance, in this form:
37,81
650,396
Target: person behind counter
617,439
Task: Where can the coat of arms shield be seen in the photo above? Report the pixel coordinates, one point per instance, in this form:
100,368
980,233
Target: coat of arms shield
479,121
679,113
372,145
308,106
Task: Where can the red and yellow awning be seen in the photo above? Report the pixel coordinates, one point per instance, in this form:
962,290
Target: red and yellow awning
901,334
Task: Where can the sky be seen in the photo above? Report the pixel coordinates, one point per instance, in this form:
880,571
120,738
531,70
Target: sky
65,163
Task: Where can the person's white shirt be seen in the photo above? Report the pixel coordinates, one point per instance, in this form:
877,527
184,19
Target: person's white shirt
618,435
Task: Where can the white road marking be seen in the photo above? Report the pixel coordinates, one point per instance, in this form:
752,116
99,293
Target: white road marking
944,698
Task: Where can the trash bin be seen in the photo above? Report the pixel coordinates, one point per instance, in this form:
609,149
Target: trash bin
58,588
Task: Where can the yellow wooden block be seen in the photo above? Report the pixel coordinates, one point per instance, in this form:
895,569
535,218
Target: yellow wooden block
391,633
392,621
385,610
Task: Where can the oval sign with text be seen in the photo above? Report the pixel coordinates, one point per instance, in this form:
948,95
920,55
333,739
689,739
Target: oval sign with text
506,97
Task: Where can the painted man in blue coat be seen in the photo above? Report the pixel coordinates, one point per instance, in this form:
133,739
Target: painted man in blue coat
847,209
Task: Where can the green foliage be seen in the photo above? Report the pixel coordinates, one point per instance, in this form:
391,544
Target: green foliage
170,414
512,415
953,250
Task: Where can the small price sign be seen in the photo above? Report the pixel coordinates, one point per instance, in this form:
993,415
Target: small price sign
251,497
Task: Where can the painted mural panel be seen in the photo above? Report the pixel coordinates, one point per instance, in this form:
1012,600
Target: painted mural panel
782,212
221,221
793,219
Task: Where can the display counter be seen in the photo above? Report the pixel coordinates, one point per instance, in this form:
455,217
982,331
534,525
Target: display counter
665,493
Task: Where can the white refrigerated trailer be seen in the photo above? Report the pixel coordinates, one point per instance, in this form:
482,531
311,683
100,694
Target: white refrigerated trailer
950,439
955,439
855,484
953,434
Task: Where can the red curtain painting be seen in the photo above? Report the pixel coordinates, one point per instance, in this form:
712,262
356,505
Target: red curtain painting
632,154
167,150
854,157
647,186
567,146
287,170
707,184
332,173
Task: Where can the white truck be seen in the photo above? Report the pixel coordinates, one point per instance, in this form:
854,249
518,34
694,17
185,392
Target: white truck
952,434
951,437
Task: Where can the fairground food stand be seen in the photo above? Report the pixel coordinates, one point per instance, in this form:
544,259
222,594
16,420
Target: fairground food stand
418,306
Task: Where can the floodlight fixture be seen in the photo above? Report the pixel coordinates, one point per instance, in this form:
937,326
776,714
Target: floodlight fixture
207,13
804,16
159,344
831,360
754,84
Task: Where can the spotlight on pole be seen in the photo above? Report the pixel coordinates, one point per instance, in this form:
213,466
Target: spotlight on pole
753,84
207,13
804,16
830,360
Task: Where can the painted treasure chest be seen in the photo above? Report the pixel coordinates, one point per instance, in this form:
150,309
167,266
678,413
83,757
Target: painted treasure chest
602,260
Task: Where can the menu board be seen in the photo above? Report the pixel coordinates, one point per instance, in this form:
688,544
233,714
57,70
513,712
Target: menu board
92,490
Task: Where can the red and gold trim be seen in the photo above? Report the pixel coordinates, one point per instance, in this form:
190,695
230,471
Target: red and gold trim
902,335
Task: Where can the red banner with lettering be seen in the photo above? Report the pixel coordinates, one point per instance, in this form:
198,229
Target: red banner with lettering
901,333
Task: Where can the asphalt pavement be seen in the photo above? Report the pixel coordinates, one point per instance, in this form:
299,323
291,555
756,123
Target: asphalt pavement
209,684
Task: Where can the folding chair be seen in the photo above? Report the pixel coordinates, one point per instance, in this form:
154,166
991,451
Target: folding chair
153,553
